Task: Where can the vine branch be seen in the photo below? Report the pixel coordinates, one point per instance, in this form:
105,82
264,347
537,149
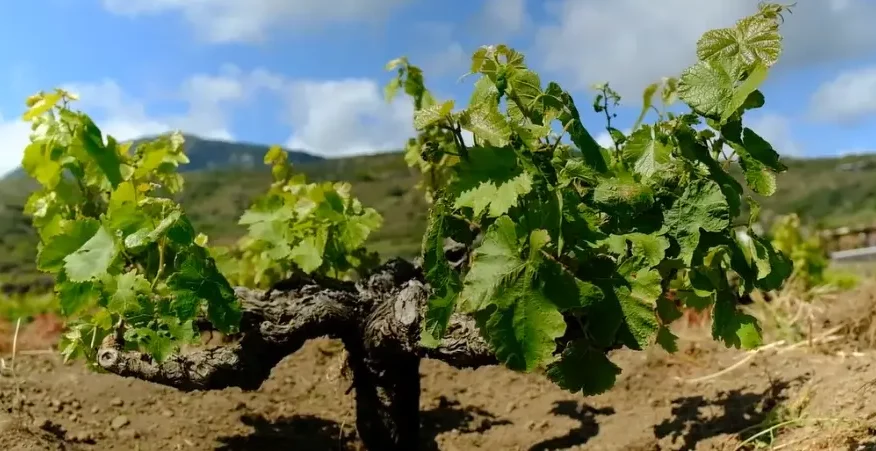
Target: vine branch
383,313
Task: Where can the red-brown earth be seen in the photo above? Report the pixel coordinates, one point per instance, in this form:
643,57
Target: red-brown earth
821,390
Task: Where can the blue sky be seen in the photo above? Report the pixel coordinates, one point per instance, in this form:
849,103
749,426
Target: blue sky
309,73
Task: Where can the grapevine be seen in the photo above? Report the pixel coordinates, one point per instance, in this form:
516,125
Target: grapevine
317,228
574,246
544,251
128,264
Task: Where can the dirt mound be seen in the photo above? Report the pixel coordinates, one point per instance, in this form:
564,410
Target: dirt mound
42,436
705,397
304,406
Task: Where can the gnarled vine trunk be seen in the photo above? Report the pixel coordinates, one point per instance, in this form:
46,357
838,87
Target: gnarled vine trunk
379,321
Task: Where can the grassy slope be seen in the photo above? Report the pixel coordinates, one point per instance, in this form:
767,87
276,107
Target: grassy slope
815,189
214,200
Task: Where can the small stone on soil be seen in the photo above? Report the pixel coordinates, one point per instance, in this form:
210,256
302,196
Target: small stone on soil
120,422
129,434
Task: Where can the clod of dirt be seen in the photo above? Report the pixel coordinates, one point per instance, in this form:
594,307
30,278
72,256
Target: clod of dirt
129,434
86,437
119,422
117,402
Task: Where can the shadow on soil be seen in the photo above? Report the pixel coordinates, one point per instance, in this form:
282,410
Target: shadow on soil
584,414
695,418
310,433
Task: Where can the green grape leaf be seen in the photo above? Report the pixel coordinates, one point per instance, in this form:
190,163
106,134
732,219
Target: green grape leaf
760,179
355,230
432,115
43,102
106,158
571,120
624,196
182,331
695,151
128,287
185,304
745,90
494,262
523,329
702,206
196,275
652,248
444,280
708,87
645,153
519,296
667,340
93,259
564,289
75,297
754,39
576,170
129,219
667,311
158,345
73,236
308,253
734,328
492,182
39,164
524,87
583,369
761,150
638,301
486,122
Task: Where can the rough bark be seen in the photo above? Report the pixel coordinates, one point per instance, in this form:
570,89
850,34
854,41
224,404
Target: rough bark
379,321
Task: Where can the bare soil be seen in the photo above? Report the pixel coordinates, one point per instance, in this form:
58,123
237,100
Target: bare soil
823,394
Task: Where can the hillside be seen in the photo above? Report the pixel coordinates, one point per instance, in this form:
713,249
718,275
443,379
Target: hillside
215,199
825,192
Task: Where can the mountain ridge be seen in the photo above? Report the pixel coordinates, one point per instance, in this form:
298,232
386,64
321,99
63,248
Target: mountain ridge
213,154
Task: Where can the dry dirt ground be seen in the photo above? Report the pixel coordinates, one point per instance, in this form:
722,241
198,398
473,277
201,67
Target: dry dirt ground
815,396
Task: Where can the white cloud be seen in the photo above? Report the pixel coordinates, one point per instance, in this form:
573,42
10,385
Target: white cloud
250,20
209,99
505,16
331,118
14,137
115,112
848,97
445,55
452,60
631,43
345,117
125,117
442,53
776,129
